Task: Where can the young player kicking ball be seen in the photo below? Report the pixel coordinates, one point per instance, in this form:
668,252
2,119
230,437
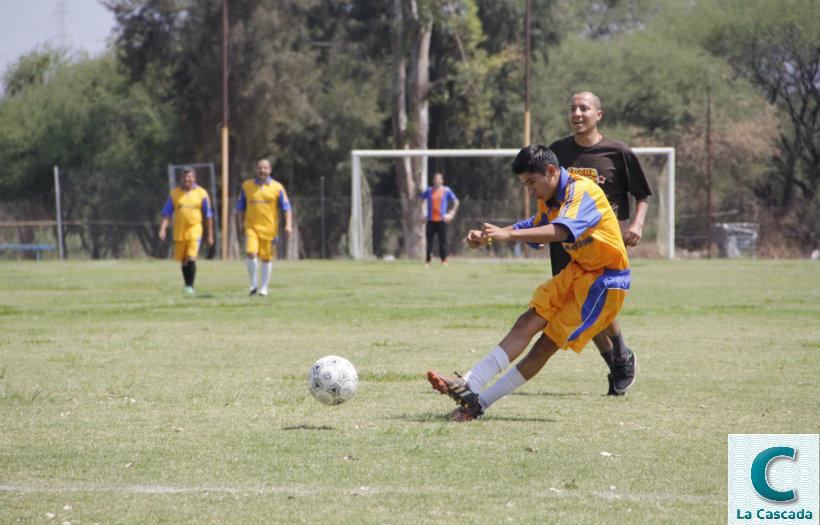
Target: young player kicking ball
570,308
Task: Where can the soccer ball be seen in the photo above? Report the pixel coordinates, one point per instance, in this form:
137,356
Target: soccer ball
333,380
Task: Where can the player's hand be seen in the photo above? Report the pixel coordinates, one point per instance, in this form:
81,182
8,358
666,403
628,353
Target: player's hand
448,217
210,240
633,235
475,238
495,233
162,234
288,230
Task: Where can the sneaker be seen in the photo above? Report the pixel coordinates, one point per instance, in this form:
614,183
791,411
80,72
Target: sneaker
263,293
444,263
611,391
427,264
188,290
623,372
253,292
456,388
466,414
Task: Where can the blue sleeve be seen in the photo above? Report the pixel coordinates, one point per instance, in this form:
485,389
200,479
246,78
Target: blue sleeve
451,196
169,208
525,225
283,201
207,211
241,205
588,216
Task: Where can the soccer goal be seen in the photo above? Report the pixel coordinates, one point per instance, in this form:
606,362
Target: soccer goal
361,218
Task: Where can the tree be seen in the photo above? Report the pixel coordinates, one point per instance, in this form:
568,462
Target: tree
776,47
84,115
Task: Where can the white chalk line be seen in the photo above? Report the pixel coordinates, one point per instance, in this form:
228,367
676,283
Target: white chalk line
361,491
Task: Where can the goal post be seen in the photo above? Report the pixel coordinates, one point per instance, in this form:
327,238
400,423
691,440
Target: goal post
358,248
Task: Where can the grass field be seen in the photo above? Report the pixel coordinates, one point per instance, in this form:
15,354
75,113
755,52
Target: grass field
121,401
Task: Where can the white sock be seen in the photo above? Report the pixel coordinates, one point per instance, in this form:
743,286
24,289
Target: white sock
267,267
506,384
496,362
251,263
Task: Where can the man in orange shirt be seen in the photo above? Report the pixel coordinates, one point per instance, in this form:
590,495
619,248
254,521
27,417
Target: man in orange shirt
438,196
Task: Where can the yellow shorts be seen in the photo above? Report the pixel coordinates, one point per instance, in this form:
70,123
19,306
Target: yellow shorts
265,248
189,248
578,304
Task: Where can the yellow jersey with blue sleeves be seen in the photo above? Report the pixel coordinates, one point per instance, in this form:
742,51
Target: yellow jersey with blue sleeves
586,296
261,202
581,206
188,207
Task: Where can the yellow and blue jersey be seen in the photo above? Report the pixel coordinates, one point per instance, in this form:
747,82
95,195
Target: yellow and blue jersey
261,202
581,206
188,207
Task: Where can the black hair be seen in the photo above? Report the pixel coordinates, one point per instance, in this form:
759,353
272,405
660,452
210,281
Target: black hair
534,159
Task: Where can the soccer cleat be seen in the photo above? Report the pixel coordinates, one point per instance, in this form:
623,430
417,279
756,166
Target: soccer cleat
444,263
623,372
263,293
466,414
253,292
188,290
426,264
456,388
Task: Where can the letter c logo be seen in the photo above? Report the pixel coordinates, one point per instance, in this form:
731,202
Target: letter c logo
760,467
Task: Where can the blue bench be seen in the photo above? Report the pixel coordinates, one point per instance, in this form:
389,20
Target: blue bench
28,247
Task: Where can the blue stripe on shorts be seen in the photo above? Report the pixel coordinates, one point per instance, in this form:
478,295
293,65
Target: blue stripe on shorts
596,298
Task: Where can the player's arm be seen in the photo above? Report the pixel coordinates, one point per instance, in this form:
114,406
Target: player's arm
634,233
537,234
284,202
209,223
208,213
167,212
163,227
450,215
476,238
241,205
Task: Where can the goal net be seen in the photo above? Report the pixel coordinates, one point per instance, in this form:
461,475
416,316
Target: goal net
658,164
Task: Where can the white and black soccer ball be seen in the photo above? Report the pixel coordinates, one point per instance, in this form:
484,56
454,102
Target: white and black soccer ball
333,380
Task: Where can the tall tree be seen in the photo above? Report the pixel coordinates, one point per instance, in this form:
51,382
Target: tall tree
776,46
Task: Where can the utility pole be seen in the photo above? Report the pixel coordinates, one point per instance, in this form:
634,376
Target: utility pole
62,14
527,68
709,171
225,229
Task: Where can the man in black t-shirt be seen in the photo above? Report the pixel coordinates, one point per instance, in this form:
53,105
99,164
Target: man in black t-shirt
614,167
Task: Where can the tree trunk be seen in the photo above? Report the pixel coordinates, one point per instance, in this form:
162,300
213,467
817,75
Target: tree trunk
413,34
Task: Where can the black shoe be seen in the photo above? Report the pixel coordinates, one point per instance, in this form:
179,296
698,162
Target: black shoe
623,372
611,391
253,292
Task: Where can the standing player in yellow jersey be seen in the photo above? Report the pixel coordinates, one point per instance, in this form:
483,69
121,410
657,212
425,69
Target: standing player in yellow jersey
257,213
571,307
188,204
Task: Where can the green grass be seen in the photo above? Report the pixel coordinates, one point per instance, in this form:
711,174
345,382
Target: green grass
121,401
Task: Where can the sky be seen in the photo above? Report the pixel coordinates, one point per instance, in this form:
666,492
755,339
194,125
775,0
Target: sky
26,24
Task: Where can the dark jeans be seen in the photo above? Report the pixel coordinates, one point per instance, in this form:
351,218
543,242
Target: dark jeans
437,228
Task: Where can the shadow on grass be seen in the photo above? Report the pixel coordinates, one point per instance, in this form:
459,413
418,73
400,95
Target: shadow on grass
439,417
308,427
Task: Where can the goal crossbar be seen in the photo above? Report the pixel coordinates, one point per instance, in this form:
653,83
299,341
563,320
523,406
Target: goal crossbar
357,249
